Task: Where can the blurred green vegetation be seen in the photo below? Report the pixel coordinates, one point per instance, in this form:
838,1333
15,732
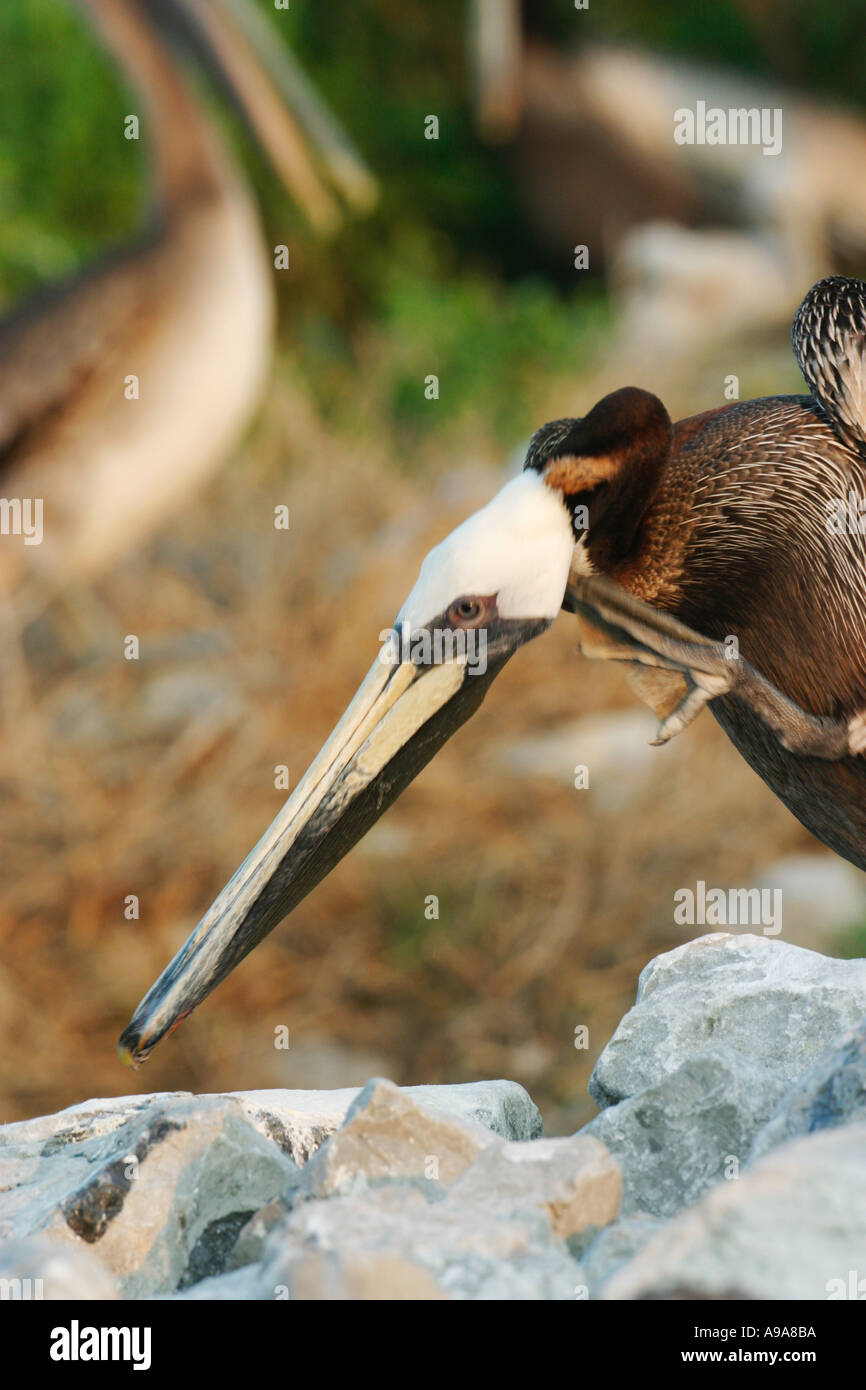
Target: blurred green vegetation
445,276
410,936
489,347
69,182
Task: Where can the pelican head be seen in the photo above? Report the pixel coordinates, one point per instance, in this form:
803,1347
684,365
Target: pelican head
496,582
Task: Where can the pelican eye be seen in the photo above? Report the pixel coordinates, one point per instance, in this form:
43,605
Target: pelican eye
464,610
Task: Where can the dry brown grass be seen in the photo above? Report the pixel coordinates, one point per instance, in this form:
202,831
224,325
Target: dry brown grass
155,777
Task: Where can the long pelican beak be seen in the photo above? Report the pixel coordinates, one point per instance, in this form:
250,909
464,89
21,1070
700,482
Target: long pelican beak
298,134
402,714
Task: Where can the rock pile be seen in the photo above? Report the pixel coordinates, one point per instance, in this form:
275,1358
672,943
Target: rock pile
728,1160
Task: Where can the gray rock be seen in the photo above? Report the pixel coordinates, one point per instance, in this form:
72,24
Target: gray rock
778,1005
91,1119
574,1182
247,1249
503,1107
160,1198
38,1269
360,1276
792,1227
300,1121
403,1241
297,1121
675,1139
404,1202
388,1136
615,1246
832,1092
173,1189
236,1284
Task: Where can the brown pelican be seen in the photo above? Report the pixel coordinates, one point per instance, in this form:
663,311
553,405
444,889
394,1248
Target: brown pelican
709,554
694,239
122,388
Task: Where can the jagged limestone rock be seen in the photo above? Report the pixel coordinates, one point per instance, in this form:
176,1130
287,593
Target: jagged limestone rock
778,1005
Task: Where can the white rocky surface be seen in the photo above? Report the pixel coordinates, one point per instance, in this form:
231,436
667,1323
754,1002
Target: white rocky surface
792,1227
677,1138
40,1268
728,1161
778,1005
831,1093
160,1187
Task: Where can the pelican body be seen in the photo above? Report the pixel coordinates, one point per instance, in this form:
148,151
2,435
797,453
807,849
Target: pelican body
706,554
123,387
